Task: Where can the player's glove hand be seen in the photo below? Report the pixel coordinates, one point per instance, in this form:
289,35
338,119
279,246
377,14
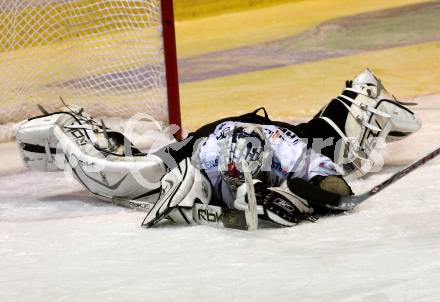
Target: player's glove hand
333,183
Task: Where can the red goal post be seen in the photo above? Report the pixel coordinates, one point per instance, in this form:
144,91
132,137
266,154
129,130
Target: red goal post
172,75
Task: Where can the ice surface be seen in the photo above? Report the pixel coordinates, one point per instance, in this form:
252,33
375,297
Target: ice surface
58,243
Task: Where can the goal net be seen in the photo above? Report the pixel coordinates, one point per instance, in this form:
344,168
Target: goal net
107,56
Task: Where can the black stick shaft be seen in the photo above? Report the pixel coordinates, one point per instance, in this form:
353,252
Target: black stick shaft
349,202
405,171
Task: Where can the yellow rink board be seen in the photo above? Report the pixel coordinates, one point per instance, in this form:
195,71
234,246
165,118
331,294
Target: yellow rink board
265,24
301,90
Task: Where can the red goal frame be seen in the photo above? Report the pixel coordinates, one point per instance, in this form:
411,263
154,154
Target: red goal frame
171,69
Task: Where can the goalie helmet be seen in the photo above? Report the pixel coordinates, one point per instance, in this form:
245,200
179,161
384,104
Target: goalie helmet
244,148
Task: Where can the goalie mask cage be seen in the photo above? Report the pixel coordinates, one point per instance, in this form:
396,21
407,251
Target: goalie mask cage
115,58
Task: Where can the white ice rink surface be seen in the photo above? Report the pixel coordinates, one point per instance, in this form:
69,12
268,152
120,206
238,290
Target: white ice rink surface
58,243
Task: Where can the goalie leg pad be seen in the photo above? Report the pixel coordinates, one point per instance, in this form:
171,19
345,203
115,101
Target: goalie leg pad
181,188
403,121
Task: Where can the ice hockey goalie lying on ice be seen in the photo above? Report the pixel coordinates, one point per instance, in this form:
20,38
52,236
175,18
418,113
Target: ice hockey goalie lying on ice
291,181
339,140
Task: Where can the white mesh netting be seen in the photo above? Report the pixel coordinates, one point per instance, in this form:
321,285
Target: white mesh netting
105,55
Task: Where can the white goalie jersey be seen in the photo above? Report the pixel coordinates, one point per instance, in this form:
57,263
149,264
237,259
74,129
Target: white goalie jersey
290,158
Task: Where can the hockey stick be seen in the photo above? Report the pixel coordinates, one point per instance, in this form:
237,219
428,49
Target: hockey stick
203,214
211,215
244,219
350,202
132,204
251,213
